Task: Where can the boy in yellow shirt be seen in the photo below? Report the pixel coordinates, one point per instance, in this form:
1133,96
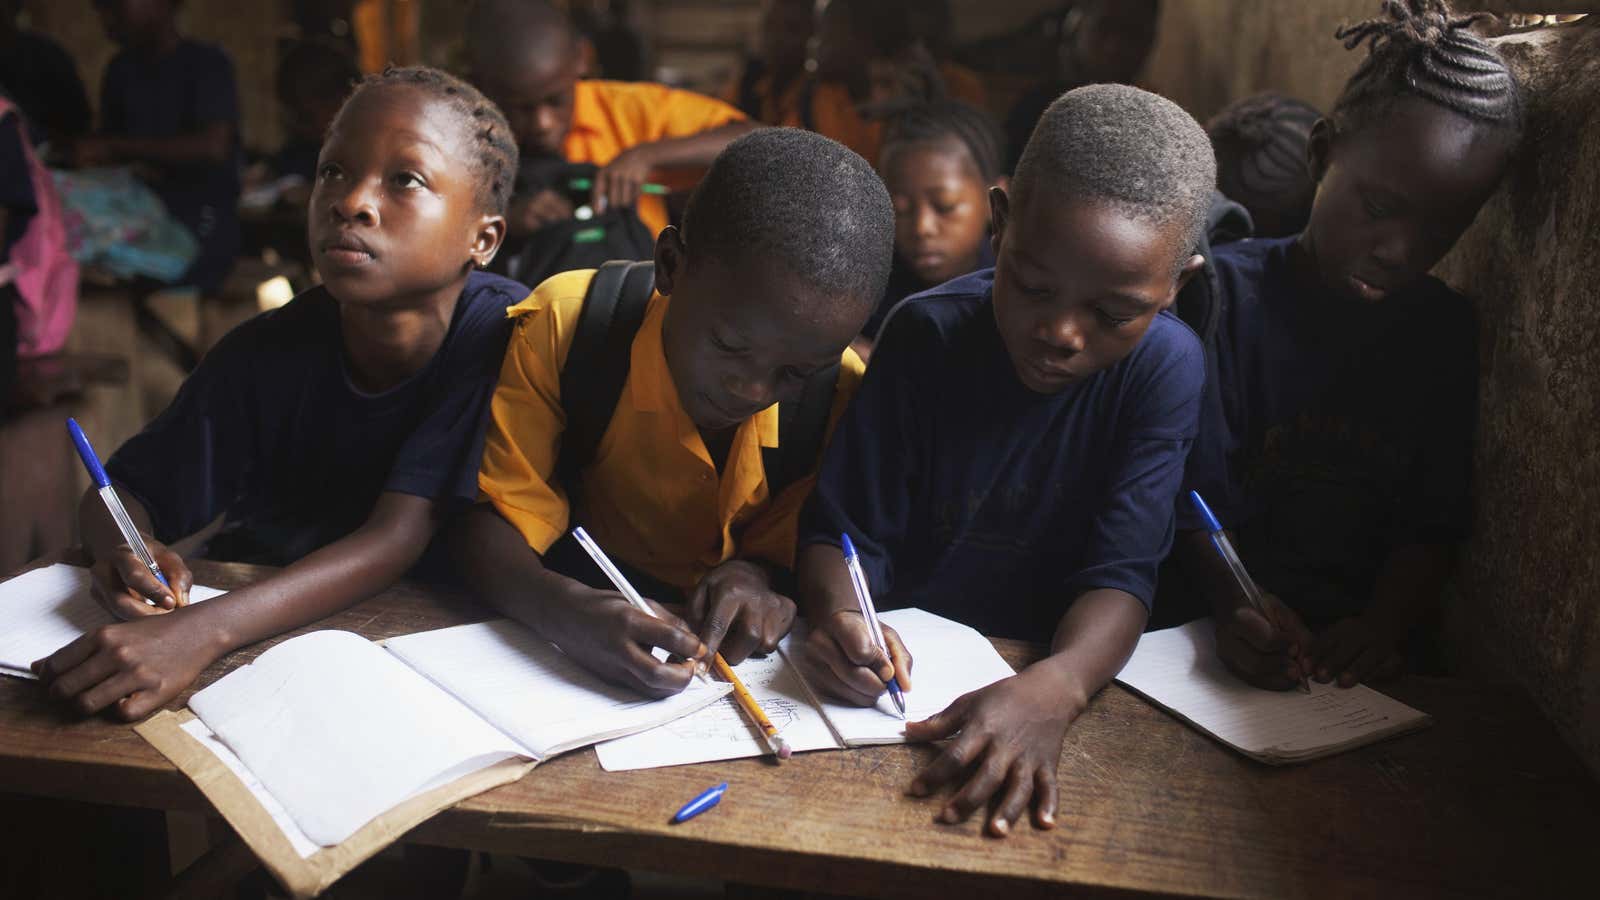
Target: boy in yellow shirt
526,57
784,251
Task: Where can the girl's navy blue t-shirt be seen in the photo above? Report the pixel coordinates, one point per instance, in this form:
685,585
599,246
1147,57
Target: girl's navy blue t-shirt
970,496
1333,431
270,434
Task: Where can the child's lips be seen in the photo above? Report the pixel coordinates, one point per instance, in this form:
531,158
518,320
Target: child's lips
347,250
1366,290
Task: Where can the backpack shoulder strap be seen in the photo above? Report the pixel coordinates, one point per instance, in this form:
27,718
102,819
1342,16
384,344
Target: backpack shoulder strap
802,427
599,358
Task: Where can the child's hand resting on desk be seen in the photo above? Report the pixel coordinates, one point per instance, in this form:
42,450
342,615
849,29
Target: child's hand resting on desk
607,636
842,661
1271,651
132,667
738,612
1354,650
1007,743
120,582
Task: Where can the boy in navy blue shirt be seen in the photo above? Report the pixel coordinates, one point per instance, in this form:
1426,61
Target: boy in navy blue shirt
1336,437
335,435
170,105
1011,458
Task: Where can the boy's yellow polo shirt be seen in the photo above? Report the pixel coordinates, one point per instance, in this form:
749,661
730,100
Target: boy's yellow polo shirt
609,117
651,495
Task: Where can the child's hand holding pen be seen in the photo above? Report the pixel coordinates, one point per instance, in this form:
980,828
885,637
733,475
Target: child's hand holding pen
121,582
1270,649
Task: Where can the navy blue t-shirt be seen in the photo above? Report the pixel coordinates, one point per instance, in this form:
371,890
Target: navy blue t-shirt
971,496
181,93
270,433
1333,431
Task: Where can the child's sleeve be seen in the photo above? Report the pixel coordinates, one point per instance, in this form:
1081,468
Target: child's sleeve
774,534
1207,468
526,420
1436,504
439,461
661,112
1133,528
865,484
195,459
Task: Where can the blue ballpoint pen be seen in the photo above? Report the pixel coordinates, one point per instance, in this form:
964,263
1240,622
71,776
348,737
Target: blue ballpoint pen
108,494
700,804
858,580
1219,539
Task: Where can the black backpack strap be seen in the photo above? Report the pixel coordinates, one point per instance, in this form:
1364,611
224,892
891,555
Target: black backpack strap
599,358
802,427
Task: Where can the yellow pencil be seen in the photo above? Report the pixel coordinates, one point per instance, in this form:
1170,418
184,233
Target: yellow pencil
751,708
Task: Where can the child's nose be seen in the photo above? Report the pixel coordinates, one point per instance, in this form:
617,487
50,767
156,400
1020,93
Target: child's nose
1064,332
357,204
927,222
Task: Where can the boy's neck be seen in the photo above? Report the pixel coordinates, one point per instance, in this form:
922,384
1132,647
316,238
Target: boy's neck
385,345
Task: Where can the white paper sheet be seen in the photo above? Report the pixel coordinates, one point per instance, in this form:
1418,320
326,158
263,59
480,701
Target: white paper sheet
302,845
340,731
948,659
721,730
530,690
49,608
1178,670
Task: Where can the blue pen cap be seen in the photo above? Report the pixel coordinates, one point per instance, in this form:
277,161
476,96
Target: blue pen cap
1205,511
97,472
849,547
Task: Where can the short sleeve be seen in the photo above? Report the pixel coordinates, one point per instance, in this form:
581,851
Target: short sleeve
526,420
865,484
195,459
1133,527
440,459
216,90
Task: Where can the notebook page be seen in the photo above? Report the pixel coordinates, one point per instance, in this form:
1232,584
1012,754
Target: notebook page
1178,669
948,659
530,690
297,839
49,608
721,730
340,731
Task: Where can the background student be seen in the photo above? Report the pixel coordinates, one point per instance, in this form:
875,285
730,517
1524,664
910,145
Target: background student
784,251
334,435
1260,143
1337,434
1011,457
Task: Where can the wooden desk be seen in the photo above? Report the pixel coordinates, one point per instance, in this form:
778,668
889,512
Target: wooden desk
1488,802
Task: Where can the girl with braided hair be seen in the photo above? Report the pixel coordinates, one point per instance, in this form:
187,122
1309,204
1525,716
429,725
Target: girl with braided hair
1336,439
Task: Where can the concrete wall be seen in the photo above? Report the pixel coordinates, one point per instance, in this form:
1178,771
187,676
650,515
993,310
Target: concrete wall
1528,603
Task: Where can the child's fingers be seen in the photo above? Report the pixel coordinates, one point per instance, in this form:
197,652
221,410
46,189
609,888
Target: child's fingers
1045,797
985,781
108,692
848,682
139,579
80,678
1360,668
956,757
663,633
777,621
942,724
1014,796
651,676
899,656
851,632
138,704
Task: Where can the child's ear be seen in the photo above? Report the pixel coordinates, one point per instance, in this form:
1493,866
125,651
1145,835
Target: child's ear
672,257
999,215
486,242
1319,147
1190,268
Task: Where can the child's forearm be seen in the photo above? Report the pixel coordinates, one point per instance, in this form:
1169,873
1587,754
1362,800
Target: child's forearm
1409,585
99,531
349,570
823,582
491,556
695,149
1092,642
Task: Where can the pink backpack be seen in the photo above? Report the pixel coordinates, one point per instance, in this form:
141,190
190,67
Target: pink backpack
41,264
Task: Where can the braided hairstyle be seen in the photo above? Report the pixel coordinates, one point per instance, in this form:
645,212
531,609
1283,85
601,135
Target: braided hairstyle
939,119
1420,48
1260,143
483,125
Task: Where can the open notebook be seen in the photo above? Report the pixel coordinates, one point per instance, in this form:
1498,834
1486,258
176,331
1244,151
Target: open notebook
950,659
336,729
49,608
1178,670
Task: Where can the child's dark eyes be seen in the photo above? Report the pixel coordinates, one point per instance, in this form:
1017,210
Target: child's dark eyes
724,346
326,171
1032,290
1113,320
408,180
1374,209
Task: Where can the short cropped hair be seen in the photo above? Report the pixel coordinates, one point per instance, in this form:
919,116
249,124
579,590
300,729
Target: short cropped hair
484,129
1127,147
797,200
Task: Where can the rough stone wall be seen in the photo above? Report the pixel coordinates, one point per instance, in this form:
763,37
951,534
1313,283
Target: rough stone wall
1528,601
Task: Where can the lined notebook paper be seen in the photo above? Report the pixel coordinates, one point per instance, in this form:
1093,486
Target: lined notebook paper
49,608
1178,670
